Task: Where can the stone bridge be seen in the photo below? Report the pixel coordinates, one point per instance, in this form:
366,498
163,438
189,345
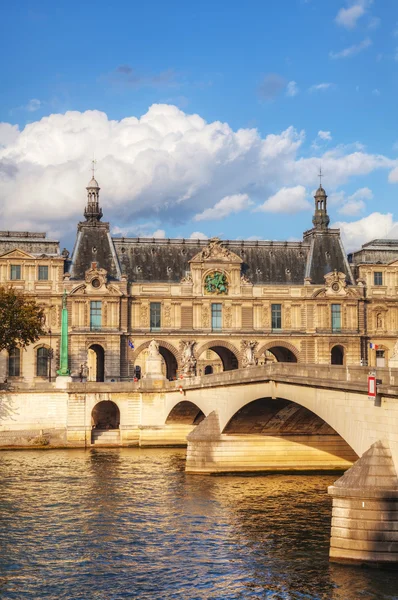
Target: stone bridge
278,417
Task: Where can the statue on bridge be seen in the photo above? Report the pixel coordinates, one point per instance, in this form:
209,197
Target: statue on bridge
248,353
188,360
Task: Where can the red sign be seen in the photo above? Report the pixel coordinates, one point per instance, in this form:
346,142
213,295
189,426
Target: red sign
371,386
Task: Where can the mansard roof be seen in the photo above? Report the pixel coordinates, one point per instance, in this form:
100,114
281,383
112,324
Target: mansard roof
263,262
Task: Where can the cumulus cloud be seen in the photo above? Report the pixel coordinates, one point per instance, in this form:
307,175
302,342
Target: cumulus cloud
198,235
292,89
351,205
287,200
348,17
375,225
166,165
226,206
325,135
352,50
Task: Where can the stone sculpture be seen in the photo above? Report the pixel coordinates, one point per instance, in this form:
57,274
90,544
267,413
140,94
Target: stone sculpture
188,360
248,353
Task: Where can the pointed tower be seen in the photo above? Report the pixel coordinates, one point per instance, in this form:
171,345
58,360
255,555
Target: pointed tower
326,251
94,243
321,218
93,212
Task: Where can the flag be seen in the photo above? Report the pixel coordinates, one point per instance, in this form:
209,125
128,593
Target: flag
373,346
131,345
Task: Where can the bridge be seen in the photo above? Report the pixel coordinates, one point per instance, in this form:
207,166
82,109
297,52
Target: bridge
278,417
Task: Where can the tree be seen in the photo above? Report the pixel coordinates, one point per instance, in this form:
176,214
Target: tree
21,320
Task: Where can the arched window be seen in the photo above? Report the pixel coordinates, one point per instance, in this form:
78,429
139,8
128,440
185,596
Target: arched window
14,362
42,362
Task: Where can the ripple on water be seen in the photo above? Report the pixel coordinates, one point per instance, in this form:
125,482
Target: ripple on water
129,523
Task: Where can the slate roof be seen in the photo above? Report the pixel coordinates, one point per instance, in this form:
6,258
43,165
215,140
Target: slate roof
264,262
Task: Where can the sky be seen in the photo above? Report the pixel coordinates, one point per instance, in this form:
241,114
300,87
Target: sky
205,119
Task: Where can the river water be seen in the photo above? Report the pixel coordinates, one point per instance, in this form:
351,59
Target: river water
129,523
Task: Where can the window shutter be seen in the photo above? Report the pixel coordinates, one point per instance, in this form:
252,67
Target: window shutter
186,317
247,317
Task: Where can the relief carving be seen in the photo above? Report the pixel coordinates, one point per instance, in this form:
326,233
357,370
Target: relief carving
228,317
188,360
167,315
205,316
144,315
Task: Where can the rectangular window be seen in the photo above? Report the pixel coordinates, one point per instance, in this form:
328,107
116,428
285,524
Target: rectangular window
14,362
95,315
378,278
43,273
336,317
216,317
155,313
276,316
380,358
15,272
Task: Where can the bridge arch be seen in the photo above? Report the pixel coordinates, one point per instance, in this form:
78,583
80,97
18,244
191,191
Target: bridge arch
229,354
169,353
282,350
186,413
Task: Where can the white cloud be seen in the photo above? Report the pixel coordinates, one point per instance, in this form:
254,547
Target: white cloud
352,208
33,105
164,166
348,17
325,135
352,50
292,89
320,87
226,206
198,235
375,225
287,200
351,205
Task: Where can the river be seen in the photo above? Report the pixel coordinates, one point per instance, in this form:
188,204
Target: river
129,523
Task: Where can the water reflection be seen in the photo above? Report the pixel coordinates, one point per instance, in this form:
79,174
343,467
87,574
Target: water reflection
129,523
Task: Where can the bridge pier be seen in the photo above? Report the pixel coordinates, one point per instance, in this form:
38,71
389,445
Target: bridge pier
365,511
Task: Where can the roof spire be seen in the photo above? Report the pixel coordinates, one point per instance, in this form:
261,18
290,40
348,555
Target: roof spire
321,218
93,212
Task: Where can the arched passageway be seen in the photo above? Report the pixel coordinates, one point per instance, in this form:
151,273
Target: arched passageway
96,363
282,354
224,358
169,361
208,370
105,415
337,355
186,413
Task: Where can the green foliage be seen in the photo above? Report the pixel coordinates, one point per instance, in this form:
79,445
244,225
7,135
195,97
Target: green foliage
21,320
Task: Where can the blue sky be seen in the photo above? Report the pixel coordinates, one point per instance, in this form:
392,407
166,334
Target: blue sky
322,71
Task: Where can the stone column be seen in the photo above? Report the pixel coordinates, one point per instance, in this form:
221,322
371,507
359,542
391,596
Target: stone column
365,511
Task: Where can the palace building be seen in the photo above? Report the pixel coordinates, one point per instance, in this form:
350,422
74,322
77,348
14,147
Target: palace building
210,305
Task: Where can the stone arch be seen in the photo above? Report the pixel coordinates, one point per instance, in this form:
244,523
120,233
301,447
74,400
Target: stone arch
338,354
105,414
212,344
281,344
162,344
185,413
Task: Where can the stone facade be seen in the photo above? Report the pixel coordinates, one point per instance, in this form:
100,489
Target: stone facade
288,301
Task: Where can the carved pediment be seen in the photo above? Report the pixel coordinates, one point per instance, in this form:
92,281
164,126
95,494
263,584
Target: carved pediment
95,276
18,254
216,252
335,283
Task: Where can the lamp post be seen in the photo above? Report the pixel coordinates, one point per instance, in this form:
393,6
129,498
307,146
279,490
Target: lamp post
50,357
